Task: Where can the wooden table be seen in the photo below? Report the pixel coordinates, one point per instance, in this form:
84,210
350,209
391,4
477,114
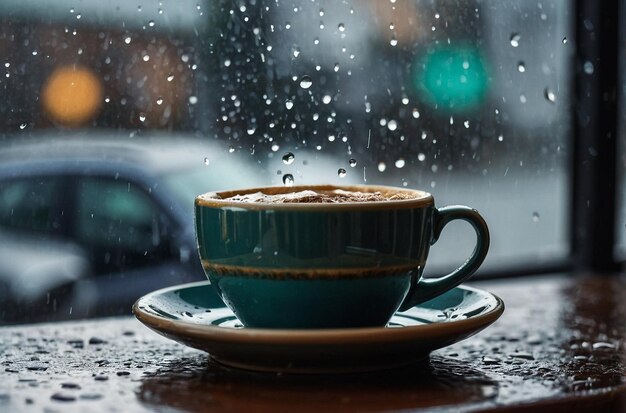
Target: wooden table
558,347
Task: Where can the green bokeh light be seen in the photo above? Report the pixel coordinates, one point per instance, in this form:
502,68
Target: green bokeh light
454,78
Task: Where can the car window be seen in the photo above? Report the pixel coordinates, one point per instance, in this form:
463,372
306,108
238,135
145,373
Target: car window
32,204
118,215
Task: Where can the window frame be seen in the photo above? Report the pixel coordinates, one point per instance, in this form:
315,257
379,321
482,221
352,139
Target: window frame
595,135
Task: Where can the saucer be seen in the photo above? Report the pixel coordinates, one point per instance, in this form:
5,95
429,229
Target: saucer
193,314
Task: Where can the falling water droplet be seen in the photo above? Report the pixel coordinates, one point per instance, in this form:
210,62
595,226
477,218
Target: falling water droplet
288,179
288,158
341,172
305,82
515,38
352,162
549,95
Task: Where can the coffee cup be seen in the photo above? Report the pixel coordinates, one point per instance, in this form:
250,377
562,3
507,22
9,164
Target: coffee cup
326,256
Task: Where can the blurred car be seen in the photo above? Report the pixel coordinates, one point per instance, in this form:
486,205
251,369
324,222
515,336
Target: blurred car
97,221
89,222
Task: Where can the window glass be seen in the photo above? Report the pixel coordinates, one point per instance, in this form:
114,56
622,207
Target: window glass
467,99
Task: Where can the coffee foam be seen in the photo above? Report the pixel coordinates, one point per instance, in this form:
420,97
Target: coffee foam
323,197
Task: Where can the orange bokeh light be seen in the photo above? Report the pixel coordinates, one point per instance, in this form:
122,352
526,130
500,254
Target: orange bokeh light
72,95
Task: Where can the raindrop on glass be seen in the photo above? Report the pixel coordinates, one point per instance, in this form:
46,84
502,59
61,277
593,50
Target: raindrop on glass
288,179
549,95
289,104
382,166
127,39
405,100
421,157
393,42
306,82
159,101
515,38
416,113
288,158
23,125
341,172
352,162
400,163
296,52
142,117
341,27
193,100
565,40
466,124
336,67
151,23
231,149
521,67
326,99
588,67
206,161
392,125
321,12
170,78
251,130
275,147
535,216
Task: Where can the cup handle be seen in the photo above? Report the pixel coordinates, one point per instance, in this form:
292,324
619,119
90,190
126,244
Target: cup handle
425,289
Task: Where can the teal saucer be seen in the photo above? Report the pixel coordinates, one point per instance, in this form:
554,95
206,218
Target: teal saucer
193,314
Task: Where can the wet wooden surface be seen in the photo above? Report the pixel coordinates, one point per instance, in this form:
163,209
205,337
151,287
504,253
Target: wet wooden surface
558,347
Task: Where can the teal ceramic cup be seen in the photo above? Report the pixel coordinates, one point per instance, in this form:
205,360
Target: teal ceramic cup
326,265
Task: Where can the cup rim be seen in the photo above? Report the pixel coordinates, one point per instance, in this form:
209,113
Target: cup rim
216,199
